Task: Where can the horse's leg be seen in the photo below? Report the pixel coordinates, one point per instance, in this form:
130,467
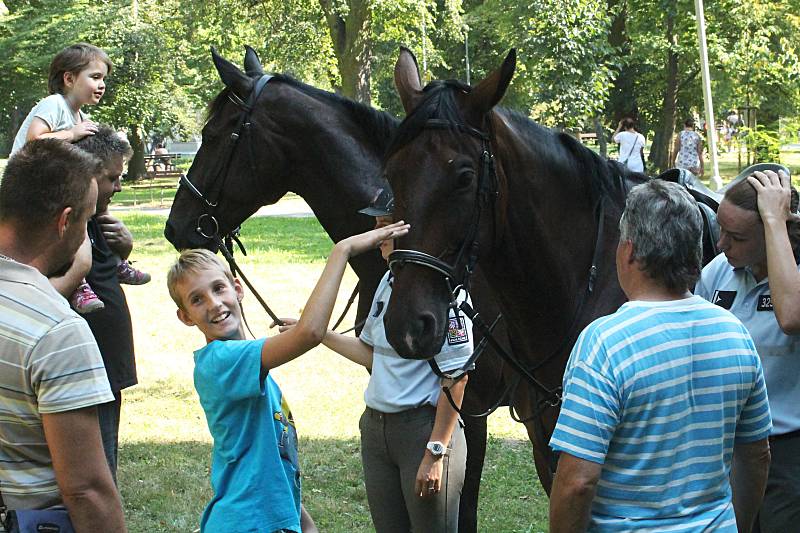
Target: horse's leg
475,432
539,432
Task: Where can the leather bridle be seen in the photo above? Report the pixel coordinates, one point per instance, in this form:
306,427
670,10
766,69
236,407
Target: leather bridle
486,195
243,126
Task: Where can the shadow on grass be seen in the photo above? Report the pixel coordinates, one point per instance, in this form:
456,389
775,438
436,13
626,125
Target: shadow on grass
299,240
165,486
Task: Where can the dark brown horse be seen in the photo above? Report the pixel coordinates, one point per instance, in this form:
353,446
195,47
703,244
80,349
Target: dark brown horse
329,150
536,208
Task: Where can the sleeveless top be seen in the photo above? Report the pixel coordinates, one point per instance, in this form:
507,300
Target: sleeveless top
687,156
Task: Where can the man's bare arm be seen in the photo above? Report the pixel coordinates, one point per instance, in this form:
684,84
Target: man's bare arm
574,488
82,472
749,480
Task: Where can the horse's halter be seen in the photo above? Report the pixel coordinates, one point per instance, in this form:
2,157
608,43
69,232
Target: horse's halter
243,124
485,196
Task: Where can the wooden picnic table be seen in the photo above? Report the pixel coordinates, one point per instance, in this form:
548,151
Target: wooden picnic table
161,165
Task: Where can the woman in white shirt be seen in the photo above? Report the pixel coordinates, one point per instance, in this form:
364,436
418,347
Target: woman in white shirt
631,143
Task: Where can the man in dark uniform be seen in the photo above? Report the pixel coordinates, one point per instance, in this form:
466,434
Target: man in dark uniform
111,326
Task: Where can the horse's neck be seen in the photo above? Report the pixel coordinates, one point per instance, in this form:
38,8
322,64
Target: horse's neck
540,266
338,179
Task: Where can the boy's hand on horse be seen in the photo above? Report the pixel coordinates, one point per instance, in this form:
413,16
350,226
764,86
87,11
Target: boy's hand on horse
370,240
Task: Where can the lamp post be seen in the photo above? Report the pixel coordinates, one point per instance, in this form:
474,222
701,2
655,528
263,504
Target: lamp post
466,49
709,106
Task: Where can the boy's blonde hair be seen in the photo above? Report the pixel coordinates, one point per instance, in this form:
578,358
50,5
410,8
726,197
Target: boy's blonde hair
74,59
190,263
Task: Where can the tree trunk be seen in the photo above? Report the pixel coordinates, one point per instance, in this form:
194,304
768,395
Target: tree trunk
602,142
622,98
352,45
15,121
136,168
660,151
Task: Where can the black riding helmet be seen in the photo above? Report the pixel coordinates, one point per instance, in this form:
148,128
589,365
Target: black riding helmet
382,205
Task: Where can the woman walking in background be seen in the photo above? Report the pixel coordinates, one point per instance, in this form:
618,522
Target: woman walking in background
688,152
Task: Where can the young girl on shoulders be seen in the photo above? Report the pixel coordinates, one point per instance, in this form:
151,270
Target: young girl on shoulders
77,78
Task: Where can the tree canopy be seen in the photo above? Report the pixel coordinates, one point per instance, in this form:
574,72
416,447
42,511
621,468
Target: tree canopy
583,64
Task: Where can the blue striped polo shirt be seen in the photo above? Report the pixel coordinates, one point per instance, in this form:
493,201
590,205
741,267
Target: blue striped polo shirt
657,393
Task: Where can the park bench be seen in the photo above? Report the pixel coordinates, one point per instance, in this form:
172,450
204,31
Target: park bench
588,138
161,166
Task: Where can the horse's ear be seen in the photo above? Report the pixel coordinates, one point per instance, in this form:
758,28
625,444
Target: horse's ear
490,91
252,65
233,78
406,79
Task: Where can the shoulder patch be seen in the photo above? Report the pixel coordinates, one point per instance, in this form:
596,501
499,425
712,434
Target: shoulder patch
765,303
724,299
457,331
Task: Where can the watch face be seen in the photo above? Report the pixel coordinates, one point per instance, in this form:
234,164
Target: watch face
436,448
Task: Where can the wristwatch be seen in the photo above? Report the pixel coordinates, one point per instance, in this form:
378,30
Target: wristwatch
436,448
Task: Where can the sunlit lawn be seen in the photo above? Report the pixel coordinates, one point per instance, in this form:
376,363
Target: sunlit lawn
165,448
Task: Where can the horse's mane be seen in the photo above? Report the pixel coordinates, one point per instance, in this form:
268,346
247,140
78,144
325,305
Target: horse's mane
601,176
378,126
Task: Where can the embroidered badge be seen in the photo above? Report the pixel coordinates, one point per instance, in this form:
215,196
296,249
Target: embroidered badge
724,299
378,309
765,303
457,331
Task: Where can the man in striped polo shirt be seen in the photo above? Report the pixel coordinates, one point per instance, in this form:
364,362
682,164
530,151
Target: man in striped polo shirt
51,373
663,398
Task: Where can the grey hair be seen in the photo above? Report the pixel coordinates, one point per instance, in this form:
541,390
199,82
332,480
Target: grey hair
663,223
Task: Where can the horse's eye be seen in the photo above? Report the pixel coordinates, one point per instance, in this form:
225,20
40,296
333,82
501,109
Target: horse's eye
465,177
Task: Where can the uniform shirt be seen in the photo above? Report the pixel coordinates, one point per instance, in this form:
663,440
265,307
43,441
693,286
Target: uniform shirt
738,291
49,363
398,384
255,474
630,149
111,325
55,111
657,393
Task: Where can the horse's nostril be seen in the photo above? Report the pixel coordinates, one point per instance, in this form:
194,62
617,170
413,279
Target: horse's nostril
428,323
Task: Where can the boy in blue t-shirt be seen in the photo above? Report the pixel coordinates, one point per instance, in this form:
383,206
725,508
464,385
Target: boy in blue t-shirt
254,468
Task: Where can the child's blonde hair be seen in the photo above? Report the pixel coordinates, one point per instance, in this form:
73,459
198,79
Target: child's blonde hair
74,59
190,263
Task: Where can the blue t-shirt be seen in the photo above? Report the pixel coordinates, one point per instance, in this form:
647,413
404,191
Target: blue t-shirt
254,468
658,393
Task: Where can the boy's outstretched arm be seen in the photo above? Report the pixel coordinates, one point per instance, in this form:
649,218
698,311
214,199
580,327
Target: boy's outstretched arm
313,323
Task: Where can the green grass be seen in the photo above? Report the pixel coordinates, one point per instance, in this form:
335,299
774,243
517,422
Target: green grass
164,443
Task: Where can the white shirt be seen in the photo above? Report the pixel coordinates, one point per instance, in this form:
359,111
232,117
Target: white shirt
55,111
398,384
630,149
750,301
